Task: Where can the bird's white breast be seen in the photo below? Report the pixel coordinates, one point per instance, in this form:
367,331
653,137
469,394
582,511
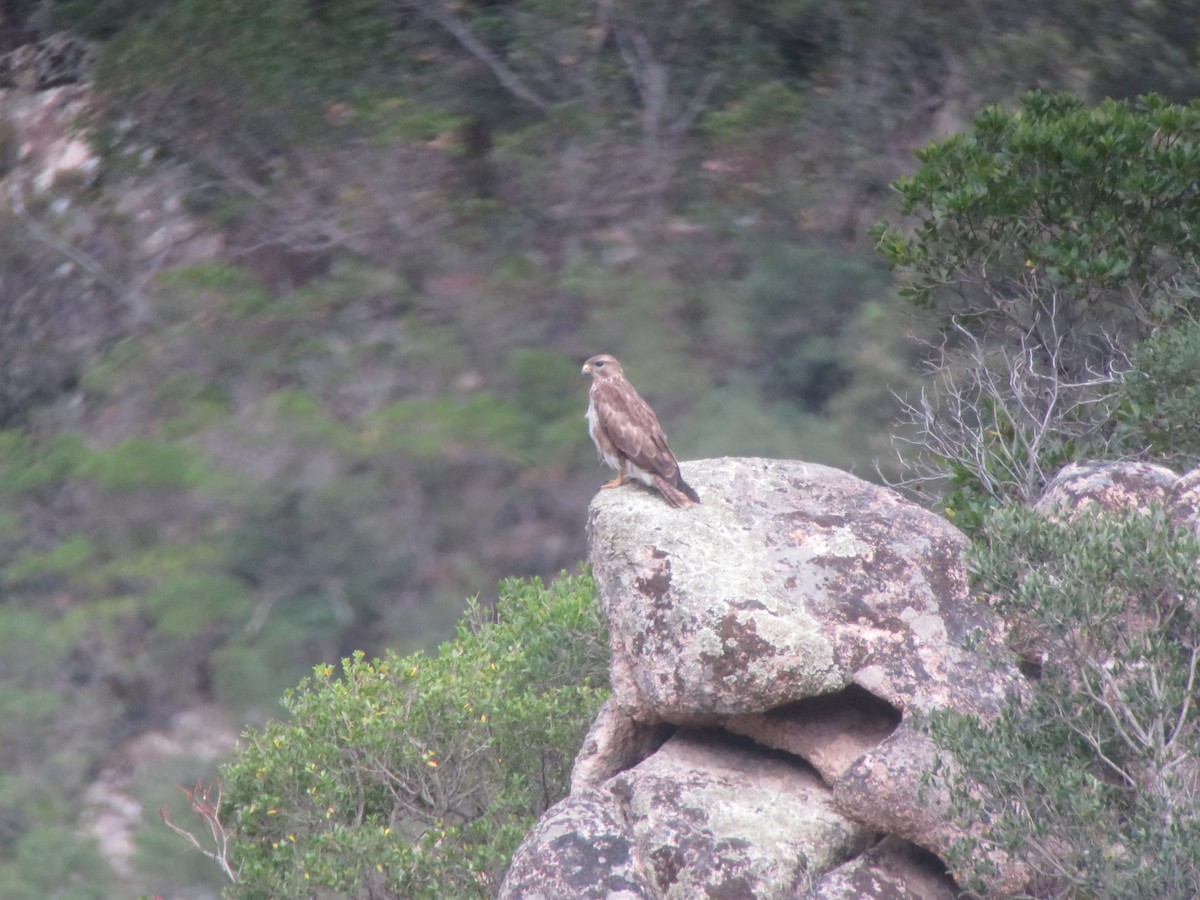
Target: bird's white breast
602,447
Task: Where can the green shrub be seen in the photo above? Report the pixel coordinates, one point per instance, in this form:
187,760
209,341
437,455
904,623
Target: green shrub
1058,220
547,397
137,463
1046,242
1092,782
424,427
1162,393
417,776
54,862
277,62
773,107
27,464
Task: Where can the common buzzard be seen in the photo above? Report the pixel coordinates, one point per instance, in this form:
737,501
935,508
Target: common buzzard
628,436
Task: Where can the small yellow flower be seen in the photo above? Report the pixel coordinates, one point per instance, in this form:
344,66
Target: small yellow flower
432,763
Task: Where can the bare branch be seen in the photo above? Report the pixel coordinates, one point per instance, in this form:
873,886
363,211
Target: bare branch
207,807
436,11
999,415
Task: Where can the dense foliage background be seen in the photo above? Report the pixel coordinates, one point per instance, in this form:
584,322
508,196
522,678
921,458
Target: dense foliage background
366,406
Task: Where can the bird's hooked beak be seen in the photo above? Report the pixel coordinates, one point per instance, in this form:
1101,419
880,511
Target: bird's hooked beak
587,369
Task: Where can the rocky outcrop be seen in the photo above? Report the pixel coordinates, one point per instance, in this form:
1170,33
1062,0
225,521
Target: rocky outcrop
706,815
84,231
771,648
1107,487
892,870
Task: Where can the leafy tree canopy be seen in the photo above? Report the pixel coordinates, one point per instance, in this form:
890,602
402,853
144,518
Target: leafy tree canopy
1047,242
1056,220
417,776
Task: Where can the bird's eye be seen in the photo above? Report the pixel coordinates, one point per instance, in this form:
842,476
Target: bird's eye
599,363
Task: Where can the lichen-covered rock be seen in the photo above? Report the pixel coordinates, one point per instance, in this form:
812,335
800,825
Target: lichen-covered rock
879,786
831,732
615,742
54,60
889,788
715,818
1183,501
891,870
810,613
581,848
791,580
1106,486
707,815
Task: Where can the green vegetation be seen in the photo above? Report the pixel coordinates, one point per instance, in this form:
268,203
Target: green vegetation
1161,394
1056,245
1048,241
1058,223
417,776
1092,782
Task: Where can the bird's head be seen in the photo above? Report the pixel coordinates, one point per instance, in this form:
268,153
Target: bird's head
601,367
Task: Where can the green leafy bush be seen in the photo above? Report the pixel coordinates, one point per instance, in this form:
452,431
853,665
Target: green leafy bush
417,776
1047,241
1054,217
1092,783
1162,393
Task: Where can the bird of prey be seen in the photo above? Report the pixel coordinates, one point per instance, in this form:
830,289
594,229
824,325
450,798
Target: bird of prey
627,434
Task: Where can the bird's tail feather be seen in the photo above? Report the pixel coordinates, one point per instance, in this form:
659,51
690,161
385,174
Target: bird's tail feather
683,495
688,489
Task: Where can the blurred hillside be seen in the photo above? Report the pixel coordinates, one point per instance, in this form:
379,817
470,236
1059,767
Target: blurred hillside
290,346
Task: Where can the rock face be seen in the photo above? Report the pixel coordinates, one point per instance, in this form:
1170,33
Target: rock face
85,230
770,648
706,815
1107,487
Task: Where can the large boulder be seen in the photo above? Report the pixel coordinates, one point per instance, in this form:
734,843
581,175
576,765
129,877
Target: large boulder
1099,486
787,629
891,870
772,649
582,848
790,581
707,815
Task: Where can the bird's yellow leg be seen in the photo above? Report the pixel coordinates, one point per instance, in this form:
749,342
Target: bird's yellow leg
618,481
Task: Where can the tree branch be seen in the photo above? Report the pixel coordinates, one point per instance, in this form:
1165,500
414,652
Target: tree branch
437,12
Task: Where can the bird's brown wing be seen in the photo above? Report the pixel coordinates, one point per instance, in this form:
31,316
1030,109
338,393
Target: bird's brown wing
631,425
